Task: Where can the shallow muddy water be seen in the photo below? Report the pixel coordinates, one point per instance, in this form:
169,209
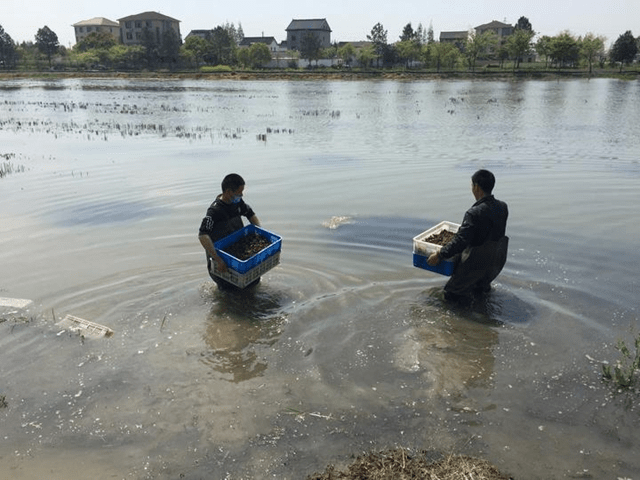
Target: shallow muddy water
344,347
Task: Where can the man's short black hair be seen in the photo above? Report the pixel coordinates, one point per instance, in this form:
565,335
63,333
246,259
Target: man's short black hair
485,180
232,181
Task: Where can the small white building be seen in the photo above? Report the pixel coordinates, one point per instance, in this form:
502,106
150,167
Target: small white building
268,41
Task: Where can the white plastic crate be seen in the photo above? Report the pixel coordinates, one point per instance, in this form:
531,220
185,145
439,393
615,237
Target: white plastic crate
241,280
424,248
84,327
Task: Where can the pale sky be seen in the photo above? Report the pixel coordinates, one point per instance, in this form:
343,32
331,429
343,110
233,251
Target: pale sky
350,20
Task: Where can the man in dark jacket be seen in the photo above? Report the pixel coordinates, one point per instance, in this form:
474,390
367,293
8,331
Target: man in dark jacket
479,249
224,216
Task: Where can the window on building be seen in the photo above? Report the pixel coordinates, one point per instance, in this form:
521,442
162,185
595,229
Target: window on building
148,23
127,24
138,24
129,36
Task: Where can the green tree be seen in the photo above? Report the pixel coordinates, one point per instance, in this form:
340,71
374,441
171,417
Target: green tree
196,48
430,36
543,48
444,55
407,33
130,57
94,40
8,54
408,51
243,57
366,56
518,45
347,53
221,47
169,48
425,54
259,55
625,49
236,34
239,34
86,60
421,35
330,52
591,47
378,37
564,49
478,45
27,55
47,42
150,44
310,47
523,23
502,53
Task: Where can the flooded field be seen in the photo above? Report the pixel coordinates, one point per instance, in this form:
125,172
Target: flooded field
344,347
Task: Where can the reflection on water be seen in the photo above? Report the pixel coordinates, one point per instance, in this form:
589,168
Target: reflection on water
239,322
497,307
453,354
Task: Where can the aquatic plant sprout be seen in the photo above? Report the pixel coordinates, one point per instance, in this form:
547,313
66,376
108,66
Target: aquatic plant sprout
624,373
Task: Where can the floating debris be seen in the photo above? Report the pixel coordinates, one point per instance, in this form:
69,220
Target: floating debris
15,302
336,221
85,327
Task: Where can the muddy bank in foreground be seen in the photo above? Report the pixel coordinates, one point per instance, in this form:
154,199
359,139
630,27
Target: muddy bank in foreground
402,464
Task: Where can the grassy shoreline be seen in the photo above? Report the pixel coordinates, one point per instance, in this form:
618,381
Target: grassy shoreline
321,74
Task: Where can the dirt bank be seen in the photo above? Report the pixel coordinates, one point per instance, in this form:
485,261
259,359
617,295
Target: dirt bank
502,74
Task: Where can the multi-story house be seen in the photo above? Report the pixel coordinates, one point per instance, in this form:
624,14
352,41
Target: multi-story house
457,38
297,29
96,25
502,30
132,27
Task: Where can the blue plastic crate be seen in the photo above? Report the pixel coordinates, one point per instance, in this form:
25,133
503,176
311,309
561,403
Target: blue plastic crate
243,266
445,267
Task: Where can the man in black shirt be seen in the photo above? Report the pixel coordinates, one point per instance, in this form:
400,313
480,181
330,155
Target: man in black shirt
224,216
479,249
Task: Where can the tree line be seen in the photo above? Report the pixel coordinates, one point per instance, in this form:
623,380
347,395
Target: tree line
416,48
100,50
563,50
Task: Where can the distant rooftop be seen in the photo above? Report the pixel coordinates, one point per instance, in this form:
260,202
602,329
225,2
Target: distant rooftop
309,24
97,21
147,16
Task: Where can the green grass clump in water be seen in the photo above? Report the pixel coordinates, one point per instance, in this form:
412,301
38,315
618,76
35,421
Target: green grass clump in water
624,373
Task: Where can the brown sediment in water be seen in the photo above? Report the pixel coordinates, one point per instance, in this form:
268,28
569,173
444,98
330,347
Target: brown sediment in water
401,464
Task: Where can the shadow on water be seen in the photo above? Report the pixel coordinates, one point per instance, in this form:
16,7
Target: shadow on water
496,308
388,238
239,324
395,234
